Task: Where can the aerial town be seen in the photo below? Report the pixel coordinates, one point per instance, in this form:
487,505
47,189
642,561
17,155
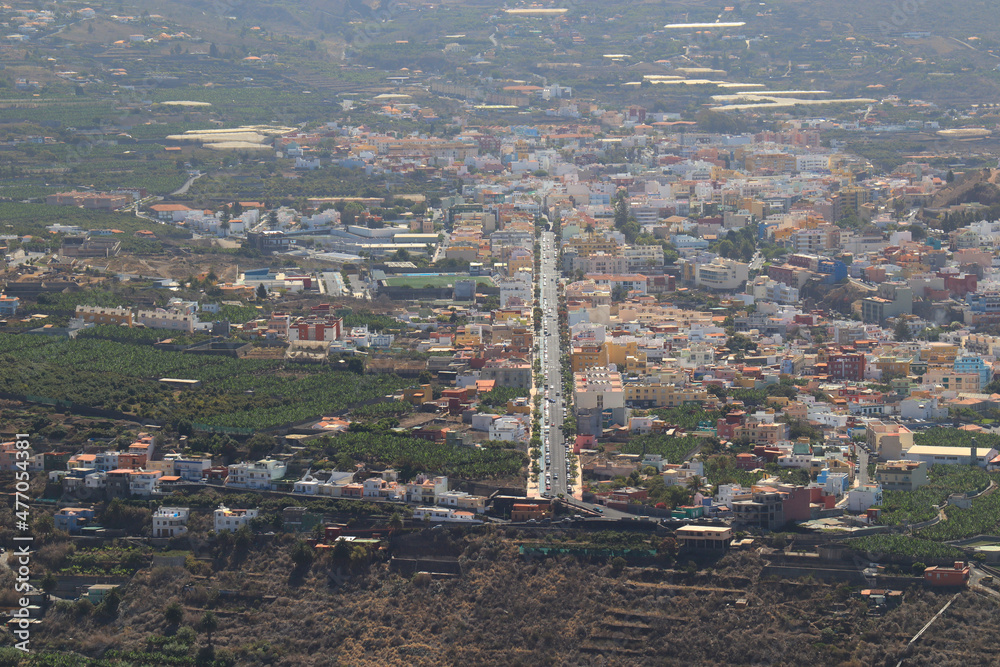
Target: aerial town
528,341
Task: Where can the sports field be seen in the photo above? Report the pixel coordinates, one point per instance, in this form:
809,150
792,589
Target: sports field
434,281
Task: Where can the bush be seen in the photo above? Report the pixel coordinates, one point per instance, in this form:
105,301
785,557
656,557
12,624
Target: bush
83,607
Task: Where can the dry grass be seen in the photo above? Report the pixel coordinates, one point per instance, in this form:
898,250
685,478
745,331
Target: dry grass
507,611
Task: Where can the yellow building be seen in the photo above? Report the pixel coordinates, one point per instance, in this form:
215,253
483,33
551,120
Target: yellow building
652,394
418,395
469,337
588,355
796,410
893,366
102,315
888,439
525,262
755,207
939,354
627,357
591,245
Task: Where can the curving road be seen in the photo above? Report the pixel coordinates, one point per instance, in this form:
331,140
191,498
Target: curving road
187,184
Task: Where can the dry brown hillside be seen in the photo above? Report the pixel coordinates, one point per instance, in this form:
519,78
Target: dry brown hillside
969,187
503,609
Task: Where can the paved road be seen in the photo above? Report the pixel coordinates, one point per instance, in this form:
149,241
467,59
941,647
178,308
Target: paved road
554,462
187,184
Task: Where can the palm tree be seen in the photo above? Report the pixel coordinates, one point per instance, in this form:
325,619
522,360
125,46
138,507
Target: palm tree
694,483
209,624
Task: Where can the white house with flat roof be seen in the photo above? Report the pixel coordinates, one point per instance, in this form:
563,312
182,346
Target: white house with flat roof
232,520
170,521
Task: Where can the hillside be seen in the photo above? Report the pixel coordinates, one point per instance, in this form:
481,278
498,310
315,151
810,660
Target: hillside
975,186
505,610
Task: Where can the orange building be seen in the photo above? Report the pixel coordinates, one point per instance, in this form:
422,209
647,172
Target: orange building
947,576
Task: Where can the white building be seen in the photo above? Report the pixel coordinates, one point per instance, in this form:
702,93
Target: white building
376,487
766,289
962,456
860,498
256,475
232,520
444,514
382,340
598,389
518,286
170,521
926,408
721,274
325,483
510,429
725,494
460,500
642,256
190,468
143,482
106,461
425,490
836,483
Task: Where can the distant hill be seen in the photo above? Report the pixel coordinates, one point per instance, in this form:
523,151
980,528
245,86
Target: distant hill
980,186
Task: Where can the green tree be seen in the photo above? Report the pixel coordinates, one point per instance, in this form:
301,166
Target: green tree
341,552
108,609
901,331
209,624
44,524
261,292
173,614
302,555
621,208
344,462
359,557
49,583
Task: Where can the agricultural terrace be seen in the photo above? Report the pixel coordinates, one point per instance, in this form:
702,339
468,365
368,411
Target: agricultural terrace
32,219
240,393
672,449
900,507
982,518
410,456
248,105
47,168
952,437
905,549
